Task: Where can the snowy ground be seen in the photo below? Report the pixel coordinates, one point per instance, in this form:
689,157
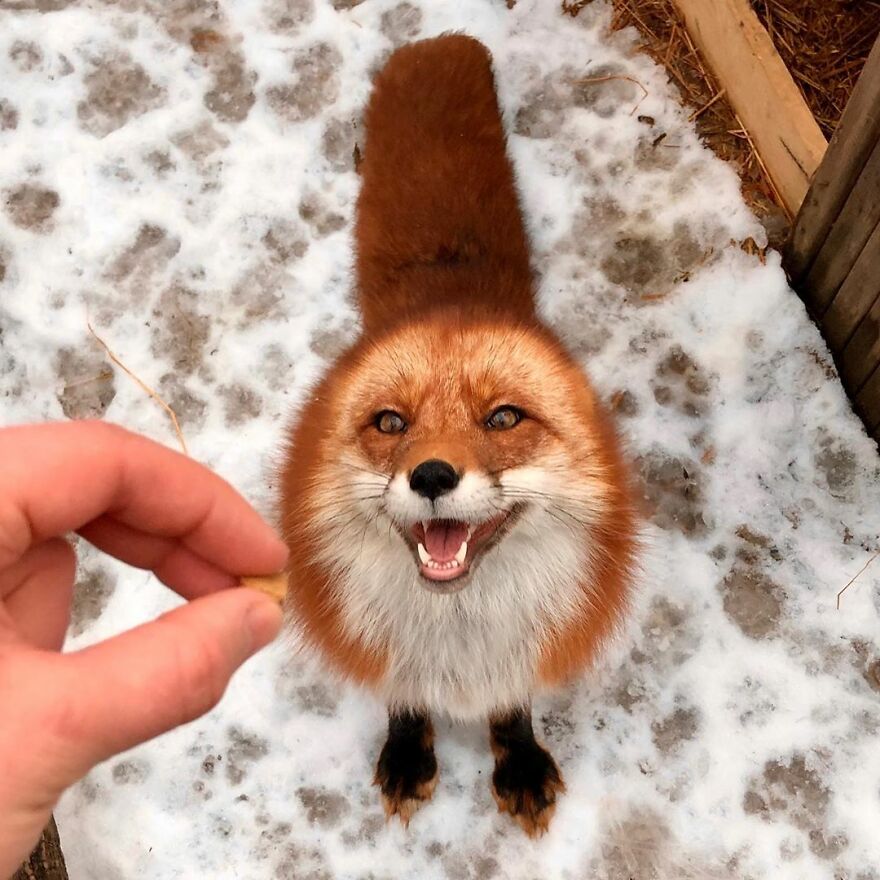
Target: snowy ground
182,173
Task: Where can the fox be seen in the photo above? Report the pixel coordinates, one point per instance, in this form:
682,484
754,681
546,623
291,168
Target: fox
455,498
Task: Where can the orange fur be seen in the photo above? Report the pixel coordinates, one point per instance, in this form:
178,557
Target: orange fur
444,283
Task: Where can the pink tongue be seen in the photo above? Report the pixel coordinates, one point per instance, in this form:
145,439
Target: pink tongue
443,538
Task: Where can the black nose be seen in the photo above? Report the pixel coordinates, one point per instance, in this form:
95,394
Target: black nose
433,478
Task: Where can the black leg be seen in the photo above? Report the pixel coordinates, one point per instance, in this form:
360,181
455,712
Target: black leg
407,769
526,779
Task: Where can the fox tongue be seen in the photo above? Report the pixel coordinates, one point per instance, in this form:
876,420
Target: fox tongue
444,537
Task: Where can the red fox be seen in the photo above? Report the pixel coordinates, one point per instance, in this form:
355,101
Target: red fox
455,501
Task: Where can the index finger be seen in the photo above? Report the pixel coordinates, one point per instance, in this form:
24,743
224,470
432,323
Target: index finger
57,478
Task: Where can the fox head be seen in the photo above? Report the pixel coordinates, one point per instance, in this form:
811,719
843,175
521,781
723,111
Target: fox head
456,443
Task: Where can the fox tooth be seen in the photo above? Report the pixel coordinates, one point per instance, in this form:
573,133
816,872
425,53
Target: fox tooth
424,555
462,552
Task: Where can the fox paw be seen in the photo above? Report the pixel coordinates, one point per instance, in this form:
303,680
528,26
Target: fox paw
525,784
407,776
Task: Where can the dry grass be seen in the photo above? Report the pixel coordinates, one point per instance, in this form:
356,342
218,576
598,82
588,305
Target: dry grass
824,43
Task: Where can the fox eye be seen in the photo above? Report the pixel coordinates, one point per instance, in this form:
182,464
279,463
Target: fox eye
390,422
504,418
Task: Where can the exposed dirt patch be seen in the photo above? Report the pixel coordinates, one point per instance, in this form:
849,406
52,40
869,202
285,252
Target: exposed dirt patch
642,846
680,382
200,141
288,16
330,342
593,90
276,368
754,546
118,89
240,404
89,384
160,161
189,408
130,772
649,265
179,333
672,489
753,601
91,594
244,749
837,464
316,85
795,791
671,732
320,217
271,838
150,251
259,293
625,403
542,113
25,55
31,206
402,23
285,241
232,94
8,115
323,806
339,143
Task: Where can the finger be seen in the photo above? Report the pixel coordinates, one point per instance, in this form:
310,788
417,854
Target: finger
137,685
58,477
173,563
37,591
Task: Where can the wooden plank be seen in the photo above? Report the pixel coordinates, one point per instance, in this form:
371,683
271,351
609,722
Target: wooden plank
760,89
862,353
868,401
850,146
46,861
857,295
847,237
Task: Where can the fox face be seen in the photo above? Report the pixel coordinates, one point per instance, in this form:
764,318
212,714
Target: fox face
452,436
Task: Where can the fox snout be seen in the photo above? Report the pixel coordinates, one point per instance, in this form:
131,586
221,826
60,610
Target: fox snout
433,478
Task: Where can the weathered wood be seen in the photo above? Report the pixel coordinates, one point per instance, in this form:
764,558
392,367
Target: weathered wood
847,237
760,89
851,144
47,860
855,298
862,352
868,401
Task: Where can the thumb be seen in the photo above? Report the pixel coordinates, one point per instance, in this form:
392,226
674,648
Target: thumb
153,678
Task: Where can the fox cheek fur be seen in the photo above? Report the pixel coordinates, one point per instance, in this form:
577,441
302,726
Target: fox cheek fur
454,498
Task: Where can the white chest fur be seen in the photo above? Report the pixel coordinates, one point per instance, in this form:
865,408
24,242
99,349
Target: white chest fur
476,650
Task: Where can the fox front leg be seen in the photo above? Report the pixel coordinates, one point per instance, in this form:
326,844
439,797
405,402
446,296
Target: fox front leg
407,769
526,780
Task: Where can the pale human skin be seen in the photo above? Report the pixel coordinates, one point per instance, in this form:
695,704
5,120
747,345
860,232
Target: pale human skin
152,508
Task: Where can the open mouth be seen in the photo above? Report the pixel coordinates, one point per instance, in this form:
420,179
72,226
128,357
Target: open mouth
447,548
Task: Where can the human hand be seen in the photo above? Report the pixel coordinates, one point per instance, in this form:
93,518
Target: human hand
152,508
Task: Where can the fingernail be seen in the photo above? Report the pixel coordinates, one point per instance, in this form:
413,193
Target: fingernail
280,553
264,620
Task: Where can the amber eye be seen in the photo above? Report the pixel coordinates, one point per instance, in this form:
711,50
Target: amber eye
390,422
504,418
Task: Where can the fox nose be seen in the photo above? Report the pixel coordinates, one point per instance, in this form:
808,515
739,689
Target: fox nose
433,478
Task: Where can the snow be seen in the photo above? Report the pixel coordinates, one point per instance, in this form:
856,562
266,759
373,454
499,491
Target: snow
195,202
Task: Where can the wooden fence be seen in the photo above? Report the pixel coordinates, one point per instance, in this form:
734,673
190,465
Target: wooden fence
833,254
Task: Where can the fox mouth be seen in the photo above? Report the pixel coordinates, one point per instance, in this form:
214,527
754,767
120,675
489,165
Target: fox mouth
447,549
